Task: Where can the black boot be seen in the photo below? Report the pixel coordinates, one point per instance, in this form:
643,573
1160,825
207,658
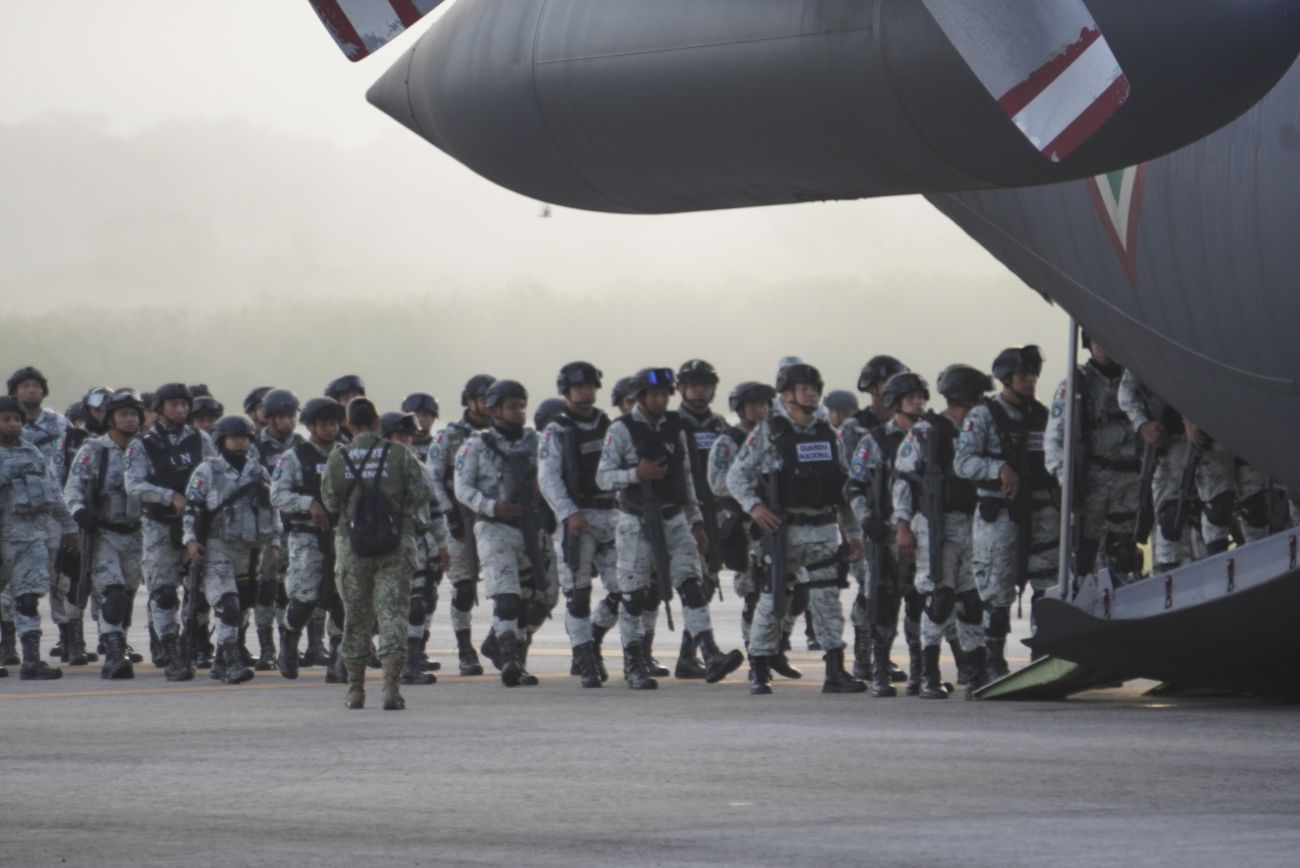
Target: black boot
34,668
9,644
336,672
688,665
931,686
962,659
507,652
915,665
236,670
412,671
598,636
526,678
316,653
116,666
266,650
760,677
245,656
204,650
809,634
287,662
217,671
997,662
156,654
882,681
717,665
634,668
837,680
423,660
585,656
780,664
60,650
491,649
178,665
653,667
77,644
861,653
469,663
979,675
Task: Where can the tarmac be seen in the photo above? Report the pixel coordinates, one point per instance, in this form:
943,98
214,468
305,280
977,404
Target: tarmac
277,772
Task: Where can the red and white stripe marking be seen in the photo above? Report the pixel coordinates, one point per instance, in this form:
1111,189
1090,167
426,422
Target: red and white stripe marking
361,27
1046,63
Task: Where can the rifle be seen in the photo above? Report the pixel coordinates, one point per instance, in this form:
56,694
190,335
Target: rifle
776,556
879,552
708,508
89,538
1187,487
932,494
571,546
652,521
1080,490
193,584
467,532
1146,509
326,592
523,474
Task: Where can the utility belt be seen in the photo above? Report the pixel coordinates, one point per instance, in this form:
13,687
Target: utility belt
730,504
126,529
494,520
596,502
301,527
806,519
1129,465
666,512
159,513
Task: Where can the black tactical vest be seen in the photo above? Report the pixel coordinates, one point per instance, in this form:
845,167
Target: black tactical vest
582,447
170,466
811,476
269,451
657,445
887,442
1022,442
958,494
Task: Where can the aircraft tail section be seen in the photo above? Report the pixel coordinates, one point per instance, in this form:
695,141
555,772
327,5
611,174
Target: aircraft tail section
362,27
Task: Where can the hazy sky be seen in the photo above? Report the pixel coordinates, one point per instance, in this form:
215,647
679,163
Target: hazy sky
182,158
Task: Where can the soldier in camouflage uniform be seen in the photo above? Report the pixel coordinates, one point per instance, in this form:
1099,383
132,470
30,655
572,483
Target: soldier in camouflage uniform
841,405
97,499
31,508
801,454
204,413
496,477
618,396
426,411
376,588
926,492
463,574
279,410
158,468
252,406
296,493
229,524
1017,524
1106,491
644,459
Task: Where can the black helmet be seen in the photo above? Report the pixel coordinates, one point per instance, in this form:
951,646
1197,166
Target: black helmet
546,412
841,401
792,375
697,371
96,398
198,390
321,410
963,384
28,373
420,402
577,374
279,402
1027,358
255,397
76,412
500,390
232,426
398,423
171,392
9,404
760,393
150,401
344,384
476,387
878,370
650,378
206,406
620,390
900,386
124,399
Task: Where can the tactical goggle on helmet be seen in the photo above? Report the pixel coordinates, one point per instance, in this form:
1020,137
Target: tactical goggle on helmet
97,397
578,374
651,378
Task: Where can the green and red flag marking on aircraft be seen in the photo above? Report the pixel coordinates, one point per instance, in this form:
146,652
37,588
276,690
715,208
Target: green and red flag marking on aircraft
1118,199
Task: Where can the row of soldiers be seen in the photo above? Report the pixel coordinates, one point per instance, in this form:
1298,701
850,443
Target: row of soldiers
942,517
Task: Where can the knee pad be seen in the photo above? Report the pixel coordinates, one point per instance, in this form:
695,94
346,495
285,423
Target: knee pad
505,607
429,593
281,596
201,604
635,603
940,605
1124,555
166,598
1255,509
747,610
115,605
266,589
415,615
538,612
1166,514
466,593
799,600
579,602
25,605
247,594
652,597
298,614
611,602
999,622
228,609
970,608
692,594
1218,511
913,603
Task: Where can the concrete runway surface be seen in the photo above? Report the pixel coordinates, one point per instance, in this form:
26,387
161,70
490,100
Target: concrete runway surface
274,772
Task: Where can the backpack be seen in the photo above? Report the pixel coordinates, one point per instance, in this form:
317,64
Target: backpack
374,528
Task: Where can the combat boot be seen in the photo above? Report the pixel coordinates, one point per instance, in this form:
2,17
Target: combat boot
412,671
236,670
931,686
962,659
126,639
780,664
717,665
585,655
491,649
422,659
156,654
837,680
469,663
60,650
688,665
178,665
356,677
997,662
9,644
915,666
287,662
634,671
526,678
33,667
861,653
393,667
116,666
266,650
217,671
316,653
507,648
979,675
243,655
77,655
204,650
598,636
334,666
653,667
760,676
881,677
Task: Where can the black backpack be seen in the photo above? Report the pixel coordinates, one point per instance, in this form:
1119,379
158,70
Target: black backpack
374,528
